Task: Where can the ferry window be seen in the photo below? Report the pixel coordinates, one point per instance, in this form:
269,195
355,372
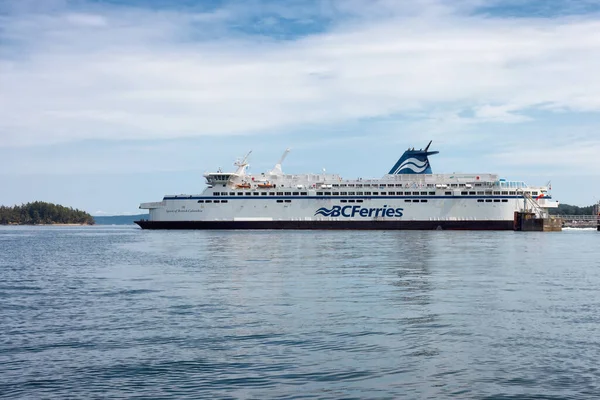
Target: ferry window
335,185
319,193
432,193
208,201
335,193
200,201
390,185
351,185
504,201
534,193
383,193
358,185
288,193
478,185
343,193
488,200
327,193
248,194
461,185
343,201
343,185
448,193
375,193
240,194
496,201
407,200
279,193
453,185
472,193
350,201
392,193
288,201
216,201
224,201
271,193
303,193
424,193
464,193
415,193
223,193
231,194
359,201
513,193
280,201
351,193
496,192
398,185
367,193
255,193
479,193
504,193
480,200
263,193
216,194
423,200
296,193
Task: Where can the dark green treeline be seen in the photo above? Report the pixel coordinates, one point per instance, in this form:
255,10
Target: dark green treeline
566,209
40,212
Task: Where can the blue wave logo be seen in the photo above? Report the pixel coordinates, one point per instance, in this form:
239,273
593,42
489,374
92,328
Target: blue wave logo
324,212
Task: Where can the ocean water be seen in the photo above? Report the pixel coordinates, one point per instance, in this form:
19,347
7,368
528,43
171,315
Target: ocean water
117,312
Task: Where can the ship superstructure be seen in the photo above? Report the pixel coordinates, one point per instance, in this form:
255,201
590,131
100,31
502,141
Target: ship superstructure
409,196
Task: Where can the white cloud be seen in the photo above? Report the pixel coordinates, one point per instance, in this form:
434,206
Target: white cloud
137,74
87,20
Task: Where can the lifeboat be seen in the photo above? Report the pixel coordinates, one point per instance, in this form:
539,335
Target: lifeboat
265,185
243,185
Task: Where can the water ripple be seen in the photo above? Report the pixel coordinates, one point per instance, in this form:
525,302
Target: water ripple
109,312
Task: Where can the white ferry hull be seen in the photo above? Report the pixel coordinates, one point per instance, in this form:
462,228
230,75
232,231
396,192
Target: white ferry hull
311,212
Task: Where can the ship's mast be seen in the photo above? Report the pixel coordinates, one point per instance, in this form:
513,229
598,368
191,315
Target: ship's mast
241,170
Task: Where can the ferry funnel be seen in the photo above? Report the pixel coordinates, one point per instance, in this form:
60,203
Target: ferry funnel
413,162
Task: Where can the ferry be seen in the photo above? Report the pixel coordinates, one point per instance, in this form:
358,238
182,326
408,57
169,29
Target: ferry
409,196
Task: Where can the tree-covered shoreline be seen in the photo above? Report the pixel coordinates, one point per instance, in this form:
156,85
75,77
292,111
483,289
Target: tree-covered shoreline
567,209
42,213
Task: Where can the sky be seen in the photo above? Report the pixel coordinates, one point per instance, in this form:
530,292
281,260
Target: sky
105,104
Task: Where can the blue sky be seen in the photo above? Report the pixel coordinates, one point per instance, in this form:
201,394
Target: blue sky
106,104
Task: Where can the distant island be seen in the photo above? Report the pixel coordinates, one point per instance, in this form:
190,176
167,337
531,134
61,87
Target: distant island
119,219
41,213
567,209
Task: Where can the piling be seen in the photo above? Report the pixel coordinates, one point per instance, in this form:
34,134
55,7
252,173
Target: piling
525,221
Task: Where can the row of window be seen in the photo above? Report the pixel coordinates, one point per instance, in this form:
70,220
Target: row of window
490,200
382,185
212,201
422,193
260,194
226,201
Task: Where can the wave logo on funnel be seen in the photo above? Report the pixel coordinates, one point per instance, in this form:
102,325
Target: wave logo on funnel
414,165
413,162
